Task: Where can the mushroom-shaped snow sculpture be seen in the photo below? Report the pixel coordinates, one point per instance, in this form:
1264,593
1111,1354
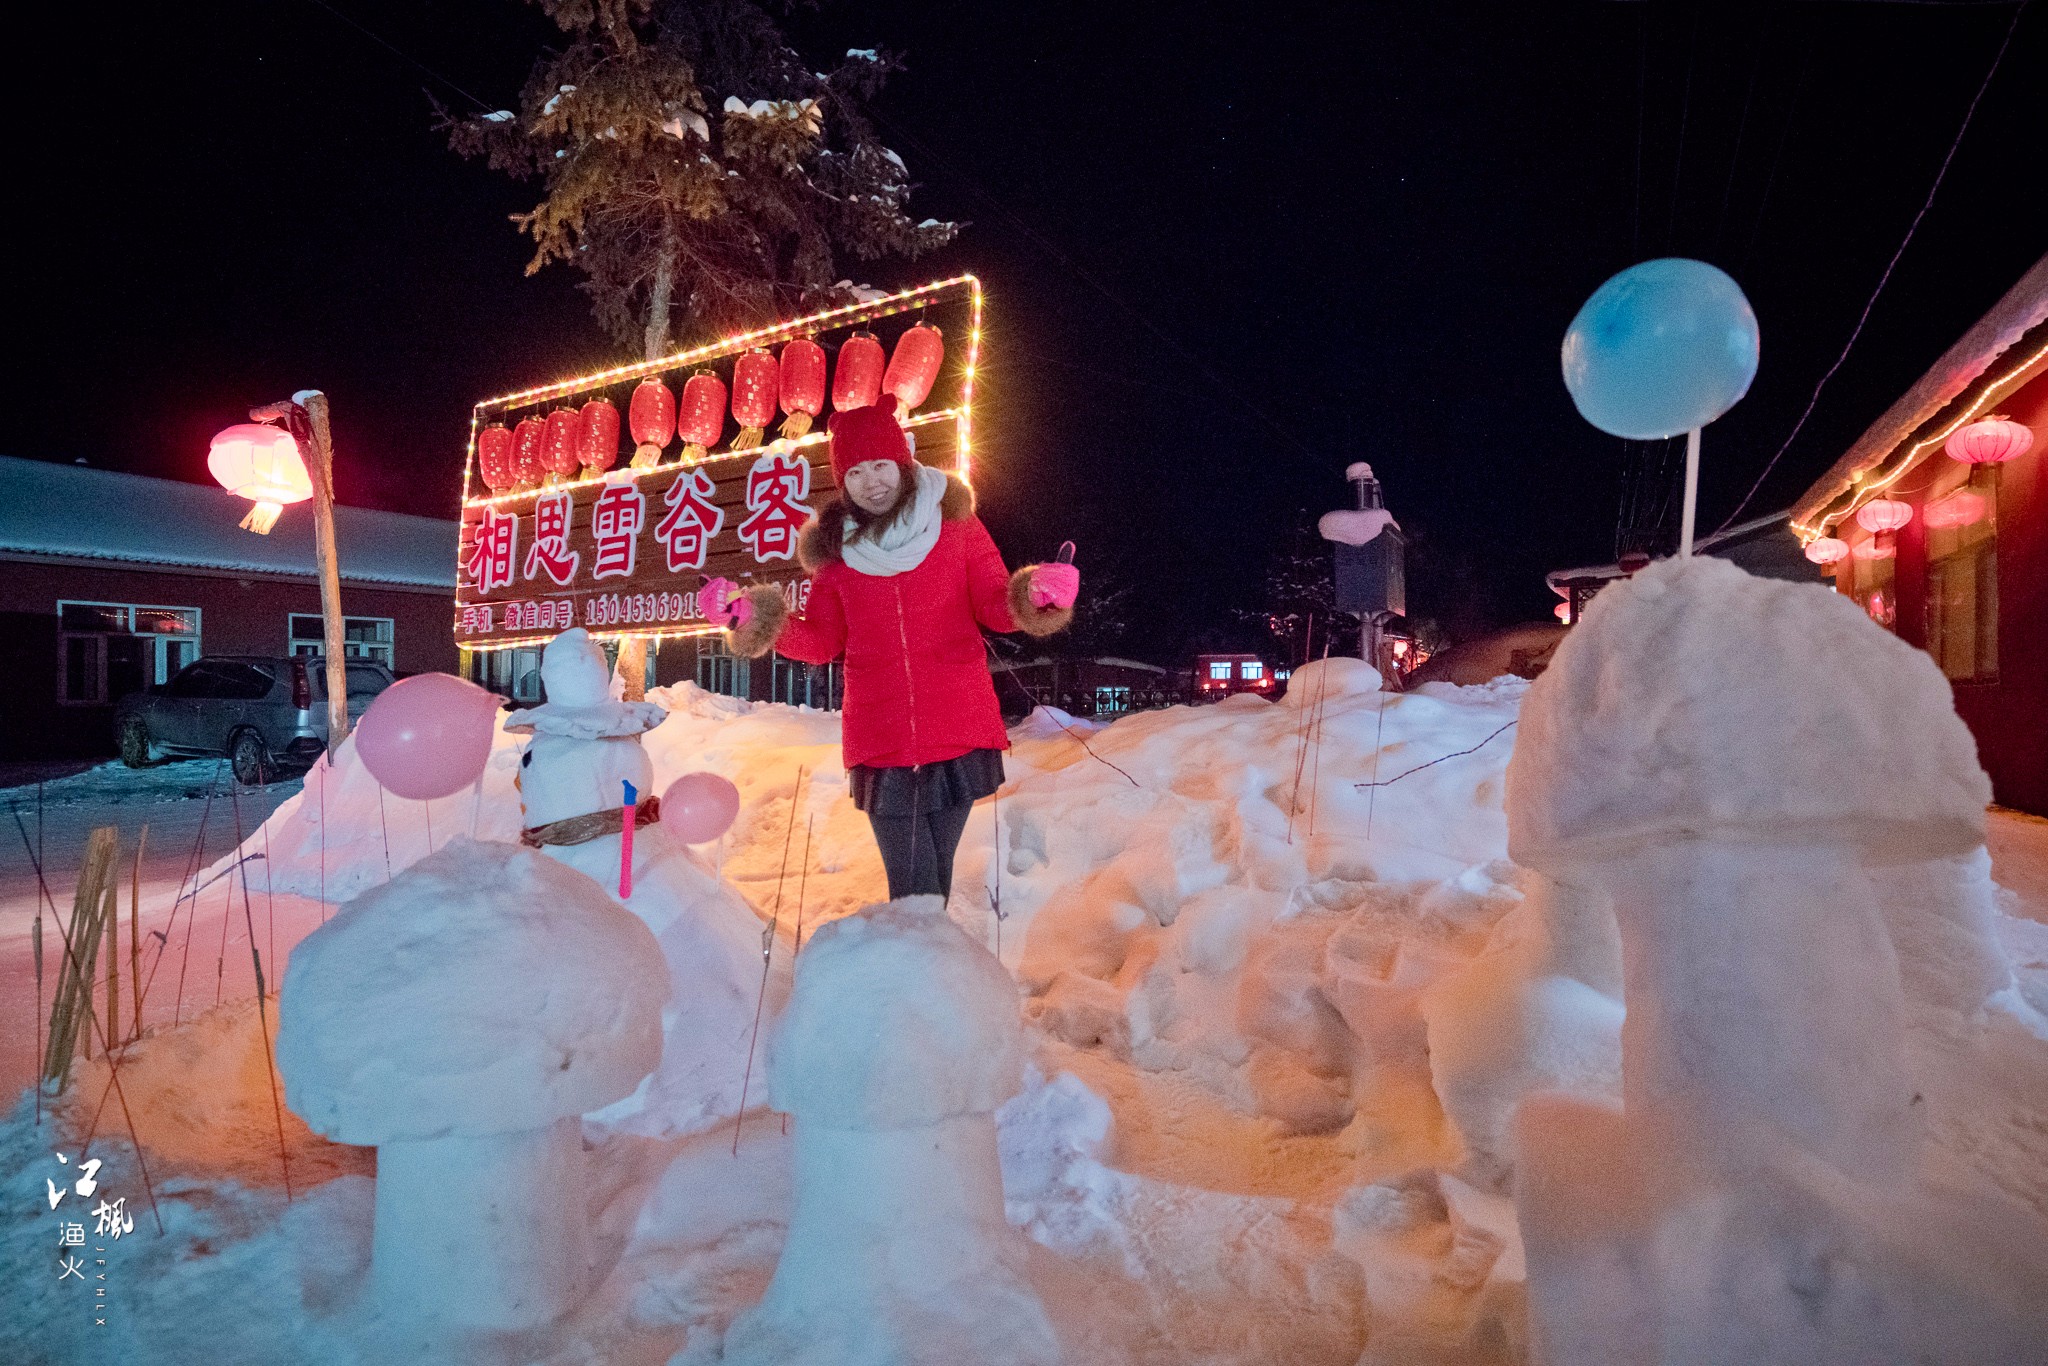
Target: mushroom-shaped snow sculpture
460,1018
900,1040
1725,755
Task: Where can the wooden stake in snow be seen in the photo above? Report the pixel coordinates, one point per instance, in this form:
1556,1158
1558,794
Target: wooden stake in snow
767,949
135,932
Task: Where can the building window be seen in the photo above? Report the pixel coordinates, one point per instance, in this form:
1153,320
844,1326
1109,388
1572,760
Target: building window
1283,674
719,670
1220,669
106,650
1962,573
1252,668
1112,701
361,637
509,673
803,685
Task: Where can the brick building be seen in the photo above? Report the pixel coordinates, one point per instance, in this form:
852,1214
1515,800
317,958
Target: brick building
112,582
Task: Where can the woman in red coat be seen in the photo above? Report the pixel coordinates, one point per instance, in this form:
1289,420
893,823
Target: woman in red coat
904,579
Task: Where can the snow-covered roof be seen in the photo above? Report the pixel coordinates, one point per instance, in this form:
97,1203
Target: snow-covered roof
2023,310
1717,544
78,512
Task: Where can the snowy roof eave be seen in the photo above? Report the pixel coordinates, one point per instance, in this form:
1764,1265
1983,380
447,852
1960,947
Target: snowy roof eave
2024,309
78,512
1703,546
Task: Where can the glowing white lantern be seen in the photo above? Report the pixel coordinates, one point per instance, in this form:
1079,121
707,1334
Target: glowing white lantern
260,463
1826,550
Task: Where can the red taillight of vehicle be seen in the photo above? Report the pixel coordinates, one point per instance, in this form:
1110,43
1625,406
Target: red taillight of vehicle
302,686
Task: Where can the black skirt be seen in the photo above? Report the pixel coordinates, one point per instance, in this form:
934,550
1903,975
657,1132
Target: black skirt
927,787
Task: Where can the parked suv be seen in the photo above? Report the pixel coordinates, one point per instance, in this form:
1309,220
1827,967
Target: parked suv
266,713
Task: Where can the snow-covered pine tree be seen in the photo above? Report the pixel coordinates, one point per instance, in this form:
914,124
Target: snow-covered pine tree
697,170
1301,586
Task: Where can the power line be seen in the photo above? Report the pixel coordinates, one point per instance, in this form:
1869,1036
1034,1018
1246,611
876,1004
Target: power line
400,53
1890,266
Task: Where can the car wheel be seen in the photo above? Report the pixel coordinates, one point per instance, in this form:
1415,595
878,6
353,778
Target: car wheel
136,750
250,759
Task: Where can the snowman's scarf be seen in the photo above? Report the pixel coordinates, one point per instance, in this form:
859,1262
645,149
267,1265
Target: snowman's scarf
902,545
591,825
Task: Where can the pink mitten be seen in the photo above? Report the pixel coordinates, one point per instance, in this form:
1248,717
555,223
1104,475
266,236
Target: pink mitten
1055,585
724,603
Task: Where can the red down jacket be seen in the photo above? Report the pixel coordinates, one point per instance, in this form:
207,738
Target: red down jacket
918,689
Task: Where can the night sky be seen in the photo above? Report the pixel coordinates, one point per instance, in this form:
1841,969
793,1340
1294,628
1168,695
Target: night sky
1225,256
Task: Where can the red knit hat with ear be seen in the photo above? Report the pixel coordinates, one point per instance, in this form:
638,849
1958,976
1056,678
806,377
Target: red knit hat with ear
863,434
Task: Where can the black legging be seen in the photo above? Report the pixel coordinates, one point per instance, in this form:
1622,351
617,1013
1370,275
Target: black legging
918,850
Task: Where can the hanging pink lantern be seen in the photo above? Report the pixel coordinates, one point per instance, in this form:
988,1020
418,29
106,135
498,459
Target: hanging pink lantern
558,443
1960,509
261,463
1990,441
528,468
803,385
756,381
494,458
1884,514
1563,612
597,436
652,416
857,383
700,420
914,367
1826,550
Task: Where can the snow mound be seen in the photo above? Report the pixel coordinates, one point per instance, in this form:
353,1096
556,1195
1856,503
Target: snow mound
1317,683
487,989
898,1020
1634,735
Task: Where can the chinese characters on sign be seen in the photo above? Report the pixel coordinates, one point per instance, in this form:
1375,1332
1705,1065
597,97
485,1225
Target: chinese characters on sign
111,1223
537,563
776,488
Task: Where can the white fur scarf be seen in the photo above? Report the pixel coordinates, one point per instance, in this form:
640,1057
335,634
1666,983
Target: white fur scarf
902,547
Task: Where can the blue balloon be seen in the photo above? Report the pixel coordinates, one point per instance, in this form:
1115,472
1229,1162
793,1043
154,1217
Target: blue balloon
1661,348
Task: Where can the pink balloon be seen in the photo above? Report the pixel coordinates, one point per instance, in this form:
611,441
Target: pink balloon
699,807
427,736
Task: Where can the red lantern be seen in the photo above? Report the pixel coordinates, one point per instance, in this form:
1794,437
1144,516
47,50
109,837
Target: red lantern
702,418
1960,509
494,458
653,417
1826,550
527,439
857,383
1563,612
1884,514
755,383
597,440
1991,441
558,443
914,367
803,385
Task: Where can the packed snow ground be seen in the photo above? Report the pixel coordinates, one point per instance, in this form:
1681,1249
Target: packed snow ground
1276,1020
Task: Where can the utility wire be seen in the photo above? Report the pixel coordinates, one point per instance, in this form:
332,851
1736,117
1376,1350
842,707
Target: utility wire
401,54
1883,279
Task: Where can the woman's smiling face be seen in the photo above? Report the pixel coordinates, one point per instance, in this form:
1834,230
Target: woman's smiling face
872,485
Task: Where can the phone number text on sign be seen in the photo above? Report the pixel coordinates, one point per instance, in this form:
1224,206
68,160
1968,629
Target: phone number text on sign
602,610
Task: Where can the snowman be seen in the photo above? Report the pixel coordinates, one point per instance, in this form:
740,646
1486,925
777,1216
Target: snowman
572,792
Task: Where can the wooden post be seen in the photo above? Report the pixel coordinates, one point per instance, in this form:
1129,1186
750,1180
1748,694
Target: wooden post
320,469
135,931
